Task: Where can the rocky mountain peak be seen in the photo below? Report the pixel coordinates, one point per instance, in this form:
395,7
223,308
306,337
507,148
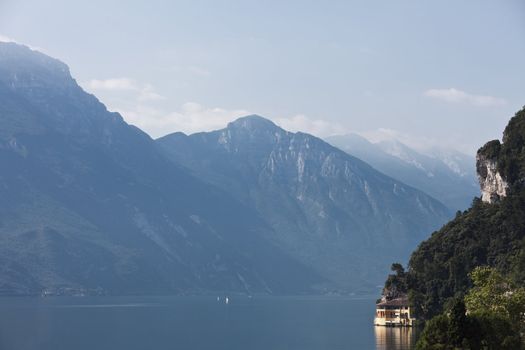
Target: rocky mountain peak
250,134
39,92
319,201
22,67
253,123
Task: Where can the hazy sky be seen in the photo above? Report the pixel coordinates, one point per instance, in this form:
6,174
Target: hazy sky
447,72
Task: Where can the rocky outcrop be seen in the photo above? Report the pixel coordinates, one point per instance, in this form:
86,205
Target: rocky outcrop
501,165
493,185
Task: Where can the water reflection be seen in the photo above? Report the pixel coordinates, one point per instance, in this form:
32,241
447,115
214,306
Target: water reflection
395,338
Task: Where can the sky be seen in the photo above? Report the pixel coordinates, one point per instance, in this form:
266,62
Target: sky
430,73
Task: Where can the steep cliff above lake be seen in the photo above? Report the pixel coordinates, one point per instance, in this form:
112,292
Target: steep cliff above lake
491,232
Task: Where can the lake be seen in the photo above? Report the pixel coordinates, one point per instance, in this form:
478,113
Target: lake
188,323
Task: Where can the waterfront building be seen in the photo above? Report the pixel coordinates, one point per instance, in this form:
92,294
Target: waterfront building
394,312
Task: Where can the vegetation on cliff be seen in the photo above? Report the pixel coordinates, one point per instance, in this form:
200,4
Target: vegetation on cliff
491,316
511,160
485,235
477,260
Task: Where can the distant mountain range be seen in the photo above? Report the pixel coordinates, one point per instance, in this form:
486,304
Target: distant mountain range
91,205
329,210
446,175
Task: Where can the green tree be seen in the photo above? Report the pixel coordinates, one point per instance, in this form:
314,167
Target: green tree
490,320
396,284
496,294
457,323
496,332
487,331
398,269
435,335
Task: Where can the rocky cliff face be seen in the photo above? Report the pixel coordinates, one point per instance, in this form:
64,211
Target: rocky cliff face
493,185
501,165
329,210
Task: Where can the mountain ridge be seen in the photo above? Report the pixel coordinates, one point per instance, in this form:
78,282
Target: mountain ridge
90,205
276,171
448,177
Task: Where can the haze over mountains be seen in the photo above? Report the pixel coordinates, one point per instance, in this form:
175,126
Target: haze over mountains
330,210
90,204
447,175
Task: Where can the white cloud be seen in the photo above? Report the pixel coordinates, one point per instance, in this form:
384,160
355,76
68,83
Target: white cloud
136,102
147,93
7,39
457,96
317,127
144,92
191,117
113,84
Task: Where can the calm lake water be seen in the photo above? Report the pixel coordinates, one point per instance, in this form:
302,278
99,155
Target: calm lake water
191,323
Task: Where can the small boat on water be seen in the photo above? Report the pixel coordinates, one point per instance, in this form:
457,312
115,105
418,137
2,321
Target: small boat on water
226,301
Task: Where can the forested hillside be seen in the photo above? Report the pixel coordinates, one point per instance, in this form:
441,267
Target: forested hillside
490,233
468,279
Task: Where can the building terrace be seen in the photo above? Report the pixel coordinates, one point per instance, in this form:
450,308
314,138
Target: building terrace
394,312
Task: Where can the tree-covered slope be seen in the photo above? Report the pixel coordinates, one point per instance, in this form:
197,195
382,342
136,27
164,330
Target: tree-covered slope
491,232
486,234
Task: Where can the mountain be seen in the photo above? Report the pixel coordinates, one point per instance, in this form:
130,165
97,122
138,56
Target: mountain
329,210
90,204
490,233
448,176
